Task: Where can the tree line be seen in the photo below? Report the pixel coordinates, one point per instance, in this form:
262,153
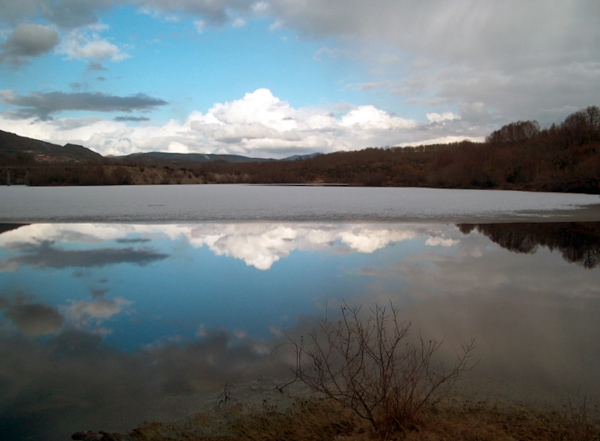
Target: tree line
521,156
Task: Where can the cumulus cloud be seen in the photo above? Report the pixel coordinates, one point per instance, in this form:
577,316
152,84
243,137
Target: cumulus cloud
96,49
29,40
258,124
261,123
87,43
44,105
438,118
369,117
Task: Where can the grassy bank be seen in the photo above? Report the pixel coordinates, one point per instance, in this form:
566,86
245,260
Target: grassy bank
322,419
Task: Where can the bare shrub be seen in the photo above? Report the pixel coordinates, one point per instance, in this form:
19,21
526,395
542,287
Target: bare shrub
370,366
583,421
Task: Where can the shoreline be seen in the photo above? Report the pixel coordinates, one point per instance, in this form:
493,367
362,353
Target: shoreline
260,406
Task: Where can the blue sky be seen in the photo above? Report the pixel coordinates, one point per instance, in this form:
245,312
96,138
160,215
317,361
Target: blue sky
271,78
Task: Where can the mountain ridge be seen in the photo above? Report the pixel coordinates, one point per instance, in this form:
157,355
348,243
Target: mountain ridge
23,149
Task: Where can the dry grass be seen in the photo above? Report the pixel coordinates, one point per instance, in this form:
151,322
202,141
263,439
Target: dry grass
324,419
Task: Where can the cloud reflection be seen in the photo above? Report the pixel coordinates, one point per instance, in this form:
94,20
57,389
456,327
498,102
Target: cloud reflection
31,319
94,313
257,244
45,254
73,381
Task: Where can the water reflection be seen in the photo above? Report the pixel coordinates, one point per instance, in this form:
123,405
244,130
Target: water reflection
100,322
577,242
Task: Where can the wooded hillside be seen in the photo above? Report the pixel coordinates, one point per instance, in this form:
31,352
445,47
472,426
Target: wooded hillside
520,155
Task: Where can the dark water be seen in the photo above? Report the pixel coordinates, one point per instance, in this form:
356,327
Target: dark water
105,324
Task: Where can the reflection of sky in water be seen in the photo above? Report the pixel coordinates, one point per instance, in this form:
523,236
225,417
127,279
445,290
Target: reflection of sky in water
155,310
138,285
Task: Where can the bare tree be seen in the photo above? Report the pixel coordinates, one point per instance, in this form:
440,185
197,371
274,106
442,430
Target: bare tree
370,366
514,132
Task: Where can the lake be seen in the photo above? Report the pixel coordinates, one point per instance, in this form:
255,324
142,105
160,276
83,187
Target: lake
120,304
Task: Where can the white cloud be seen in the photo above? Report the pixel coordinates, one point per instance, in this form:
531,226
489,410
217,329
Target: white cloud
369,117
96,49
437,117
258,124
87,43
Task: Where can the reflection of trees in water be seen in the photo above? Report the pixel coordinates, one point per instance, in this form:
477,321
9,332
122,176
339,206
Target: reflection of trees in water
9,227
578,242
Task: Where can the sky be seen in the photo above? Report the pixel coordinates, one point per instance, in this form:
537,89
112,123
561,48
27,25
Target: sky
274,78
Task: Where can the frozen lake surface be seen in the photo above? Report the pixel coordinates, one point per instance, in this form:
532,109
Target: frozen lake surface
289,203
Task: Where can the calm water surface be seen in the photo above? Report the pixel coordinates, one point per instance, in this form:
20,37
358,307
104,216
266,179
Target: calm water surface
101,321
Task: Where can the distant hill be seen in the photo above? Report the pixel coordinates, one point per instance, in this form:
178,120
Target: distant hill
183,159
16,149
301,157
